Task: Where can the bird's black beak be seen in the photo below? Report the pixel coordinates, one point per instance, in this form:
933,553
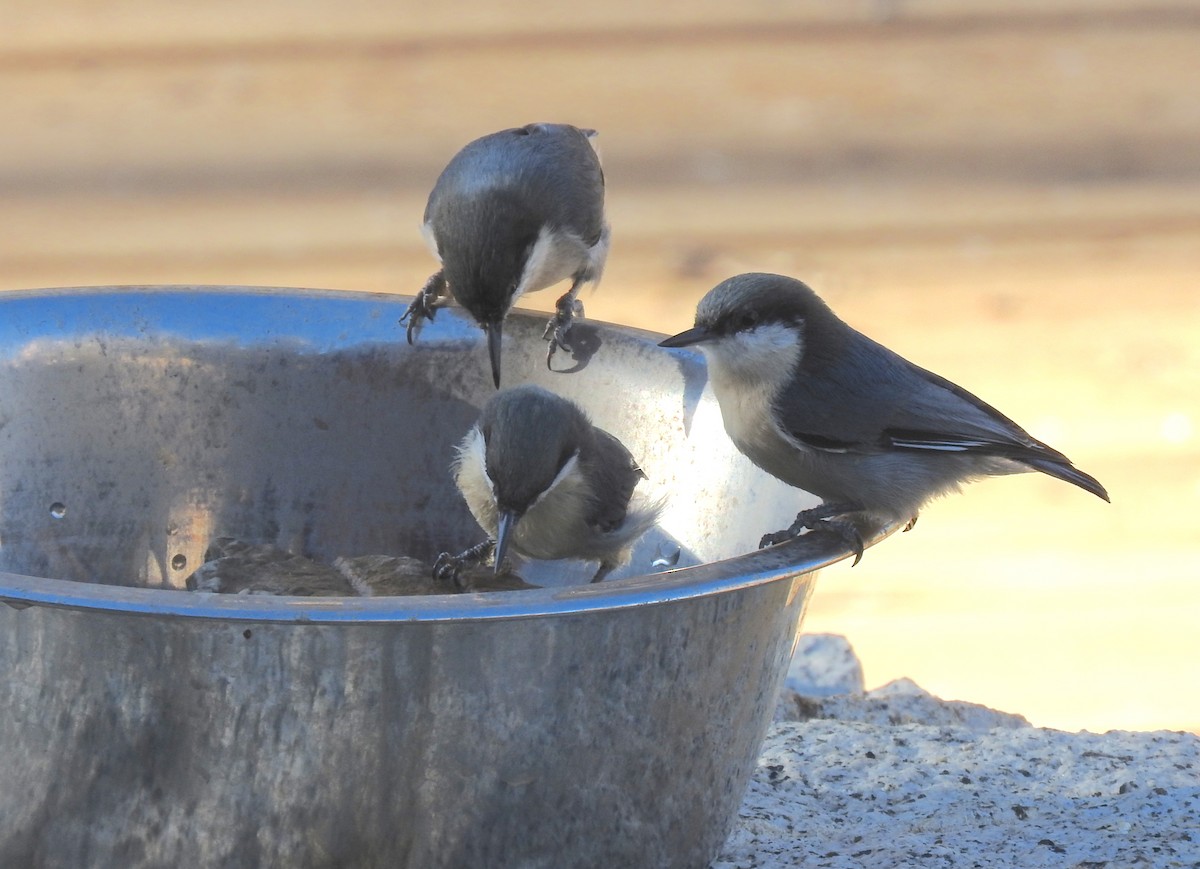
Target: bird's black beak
508,521
686,339
493,331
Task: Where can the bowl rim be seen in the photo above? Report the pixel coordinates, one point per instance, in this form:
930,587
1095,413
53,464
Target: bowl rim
794,558
804,555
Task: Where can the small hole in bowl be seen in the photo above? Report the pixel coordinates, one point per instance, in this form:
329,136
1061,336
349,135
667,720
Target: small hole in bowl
58,509
179,562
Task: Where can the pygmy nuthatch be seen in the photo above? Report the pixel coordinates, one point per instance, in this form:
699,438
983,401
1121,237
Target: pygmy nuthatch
539,477
515,212
824,408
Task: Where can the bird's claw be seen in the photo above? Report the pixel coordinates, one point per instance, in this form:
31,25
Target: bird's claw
776,537
567,309
850,535
448,568
424,306
823,517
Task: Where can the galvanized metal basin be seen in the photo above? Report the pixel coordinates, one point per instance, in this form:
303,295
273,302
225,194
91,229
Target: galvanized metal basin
144,725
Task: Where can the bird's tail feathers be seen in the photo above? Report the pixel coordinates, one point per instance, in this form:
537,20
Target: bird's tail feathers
642,515
1067,472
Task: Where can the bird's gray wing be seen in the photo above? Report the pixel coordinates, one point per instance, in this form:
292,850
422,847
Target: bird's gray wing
858,397
616,474
980,429
864,398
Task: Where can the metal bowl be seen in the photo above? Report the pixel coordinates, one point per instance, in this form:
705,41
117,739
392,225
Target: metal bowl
574,724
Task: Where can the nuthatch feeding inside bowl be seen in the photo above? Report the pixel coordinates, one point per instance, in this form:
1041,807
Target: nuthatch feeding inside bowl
539,477
824,408
515,212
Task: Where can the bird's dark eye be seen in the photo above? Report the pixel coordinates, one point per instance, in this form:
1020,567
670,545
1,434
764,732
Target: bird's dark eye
747,321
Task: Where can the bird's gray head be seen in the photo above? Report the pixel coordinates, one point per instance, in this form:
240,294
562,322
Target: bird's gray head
530,438
484,277
758,326
484,246
531,441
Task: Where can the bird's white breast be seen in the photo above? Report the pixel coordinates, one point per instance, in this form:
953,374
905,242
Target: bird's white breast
555,526
748,371
558,255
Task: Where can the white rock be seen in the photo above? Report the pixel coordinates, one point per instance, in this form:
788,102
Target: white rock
824,665
896,777
898,702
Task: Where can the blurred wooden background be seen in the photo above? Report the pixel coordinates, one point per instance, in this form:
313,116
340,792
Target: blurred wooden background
1007,191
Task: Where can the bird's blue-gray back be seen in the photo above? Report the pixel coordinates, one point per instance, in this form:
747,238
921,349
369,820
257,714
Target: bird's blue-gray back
541,163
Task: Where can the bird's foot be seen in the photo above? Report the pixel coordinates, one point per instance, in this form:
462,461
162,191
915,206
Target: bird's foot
424,306
448,568
912,523
827,517
567,309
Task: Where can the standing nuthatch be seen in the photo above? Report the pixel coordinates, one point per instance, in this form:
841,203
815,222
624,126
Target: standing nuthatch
515,212
539,477
824,408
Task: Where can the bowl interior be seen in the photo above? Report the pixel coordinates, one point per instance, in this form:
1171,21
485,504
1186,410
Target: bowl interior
138,424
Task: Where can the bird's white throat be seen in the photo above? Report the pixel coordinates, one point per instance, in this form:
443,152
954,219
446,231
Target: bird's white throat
747,370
